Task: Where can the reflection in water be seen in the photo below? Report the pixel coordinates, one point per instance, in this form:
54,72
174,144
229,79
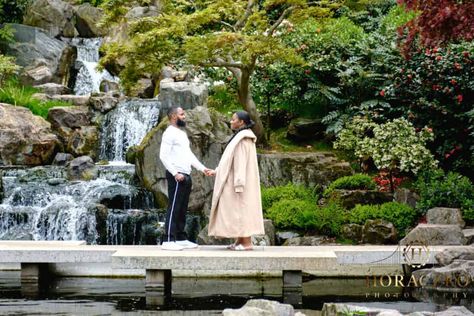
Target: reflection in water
191,296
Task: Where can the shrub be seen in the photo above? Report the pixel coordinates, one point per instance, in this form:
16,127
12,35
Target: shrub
287,213
400,215
14,93
354,182
445,190
12,10
288,192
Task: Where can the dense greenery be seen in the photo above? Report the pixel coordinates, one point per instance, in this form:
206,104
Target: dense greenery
14,93
451,189
400,215
354,182
12,11
290,191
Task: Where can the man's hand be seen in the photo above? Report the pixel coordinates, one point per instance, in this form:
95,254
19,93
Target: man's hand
179,177
209,172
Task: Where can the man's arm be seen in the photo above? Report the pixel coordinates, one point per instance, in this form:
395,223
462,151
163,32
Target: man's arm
196,163
165,153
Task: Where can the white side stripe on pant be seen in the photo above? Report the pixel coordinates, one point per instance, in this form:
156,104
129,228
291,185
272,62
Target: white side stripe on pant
172,209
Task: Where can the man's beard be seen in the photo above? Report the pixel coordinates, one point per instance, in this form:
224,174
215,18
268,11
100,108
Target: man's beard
180,123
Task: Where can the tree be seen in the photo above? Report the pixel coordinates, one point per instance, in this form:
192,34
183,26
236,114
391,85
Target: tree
233,34
439,21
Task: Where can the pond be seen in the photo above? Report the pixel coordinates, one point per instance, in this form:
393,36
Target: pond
202,296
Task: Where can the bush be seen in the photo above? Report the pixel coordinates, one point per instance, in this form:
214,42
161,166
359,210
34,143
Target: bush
354,182
400,215
14,93
445,190
288,192
223,99
288,213
12,10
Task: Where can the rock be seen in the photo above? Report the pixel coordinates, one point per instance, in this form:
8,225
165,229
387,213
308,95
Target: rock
379,232
52,88
103,103
301,129
87,18
352,232
455,311
131,154
262,308
109,86
469,235
447,256
406,196
350,198
82,168
204,239
39,74
308,169
25,139
445,216
34,50
187,95
435,235
458,275
69,116
141,12
54,16
77,100
208,135
307,241
144,88
337,309
282,237
84,142
1,186
62,159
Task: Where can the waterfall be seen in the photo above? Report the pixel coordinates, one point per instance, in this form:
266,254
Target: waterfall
41,204
126,125
89,78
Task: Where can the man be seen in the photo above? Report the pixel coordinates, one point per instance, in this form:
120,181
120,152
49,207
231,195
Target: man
177,157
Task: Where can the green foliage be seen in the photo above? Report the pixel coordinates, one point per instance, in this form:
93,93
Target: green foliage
437,189
8,68
354,182
394,145
12,11
223,100
290,191
287,213
95,3
400,215
14,93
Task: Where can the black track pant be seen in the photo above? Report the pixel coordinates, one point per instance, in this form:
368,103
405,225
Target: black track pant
178,196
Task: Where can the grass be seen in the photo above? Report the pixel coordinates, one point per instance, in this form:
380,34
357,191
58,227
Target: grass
279,142
12,92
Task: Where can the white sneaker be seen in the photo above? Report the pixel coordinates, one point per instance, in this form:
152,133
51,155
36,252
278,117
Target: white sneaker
186,244
171,245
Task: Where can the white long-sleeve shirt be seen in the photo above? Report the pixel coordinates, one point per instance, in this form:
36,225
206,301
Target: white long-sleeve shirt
176,154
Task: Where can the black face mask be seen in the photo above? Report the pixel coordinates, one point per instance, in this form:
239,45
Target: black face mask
180,123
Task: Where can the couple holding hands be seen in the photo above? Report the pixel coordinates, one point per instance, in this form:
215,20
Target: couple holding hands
236,210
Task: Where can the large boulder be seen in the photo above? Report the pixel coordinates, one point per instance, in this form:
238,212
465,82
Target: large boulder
406,196
64,119
51,88
458,275
379,231
350,198
431,234
43,58
445,216
337,309
87,19
184,94
301,168
447,256
25,139
54,16
301,129
352,232
260,307
77,100
103,102
84,141
308,241
208,135
82,168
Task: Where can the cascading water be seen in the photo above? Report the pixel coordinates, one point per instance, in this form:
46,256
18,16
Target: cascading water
126,125
41,204
88,77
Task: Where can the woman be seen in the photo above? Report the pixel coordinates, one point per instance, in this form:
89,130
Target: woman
236,210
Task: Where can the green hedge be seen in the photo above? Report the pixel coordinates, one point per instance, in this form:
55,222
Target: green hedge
354,182
290,191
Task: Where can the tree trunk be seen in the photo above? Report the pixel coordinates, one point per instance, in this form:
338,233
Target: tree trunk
246,99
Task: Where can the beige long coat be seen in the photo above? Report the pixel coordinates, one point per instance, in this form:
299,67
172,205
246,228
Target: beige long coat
236,209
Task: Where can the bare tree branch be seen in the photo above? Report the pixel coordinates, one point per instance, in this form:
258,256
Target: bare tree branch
240,23
280,19
228,25
222,63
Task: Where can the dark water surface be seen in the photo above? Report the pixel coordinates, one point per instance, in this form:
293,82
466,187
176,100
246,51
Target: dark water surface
201,296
